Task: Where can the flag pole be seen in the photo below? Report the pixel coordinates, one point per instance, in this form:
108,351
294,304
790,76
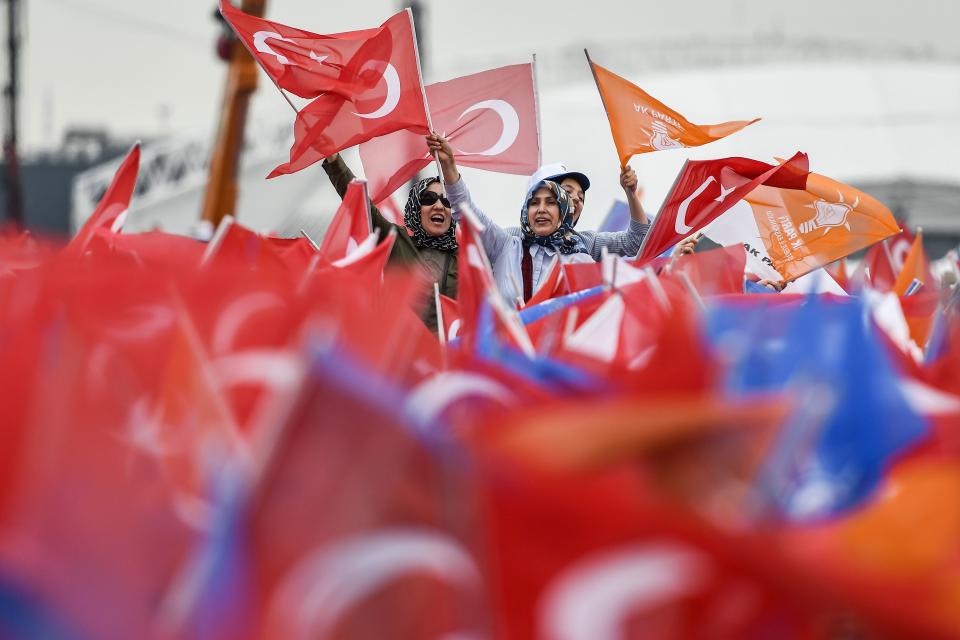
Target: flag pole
603,101
423,92
536,108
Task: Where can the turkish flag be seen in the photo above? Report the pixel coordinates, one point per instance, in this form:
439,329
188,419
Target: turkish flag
304,63
112,206
714,272
475,282
640,123
884,260
710,187
350,226
378,91
489,117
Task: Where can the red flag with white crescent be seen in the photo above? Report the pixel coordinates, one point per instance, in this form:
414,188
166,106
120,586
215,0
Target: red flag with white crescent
489,117
704,189
112,208
377,90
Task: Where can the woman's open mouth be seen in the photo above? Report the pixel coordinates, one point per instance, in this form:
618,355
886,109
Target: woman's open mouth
438,218
541,220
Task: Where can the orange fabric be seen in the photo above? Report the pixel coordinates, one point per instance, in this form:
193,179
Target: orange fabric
915,266
806,229
640,123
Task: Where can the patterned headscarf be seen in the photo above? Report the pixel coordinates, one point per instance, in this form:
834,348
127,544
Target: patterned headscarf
564,239
411,217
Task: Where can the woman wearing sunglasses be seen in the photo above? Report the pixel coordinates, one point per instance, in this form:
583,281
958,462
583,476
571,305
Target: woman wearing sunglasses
427,215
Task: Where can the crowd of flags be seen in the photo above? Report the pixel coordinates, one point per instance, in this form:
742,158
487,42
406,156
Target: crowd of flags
257,437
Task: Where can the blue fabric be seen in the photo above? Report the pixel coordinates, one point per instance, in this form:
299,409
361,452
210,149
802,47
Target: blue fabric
555,305
618,218
851,419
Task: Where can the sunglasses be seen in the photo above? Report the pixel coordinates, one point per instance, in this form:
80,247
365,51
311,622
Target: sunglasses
429,198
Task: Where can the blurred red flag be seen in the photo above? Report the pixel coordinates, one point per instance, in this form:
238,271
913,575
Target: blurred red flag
489,117
351,525
704,189
383,94
113,205
714,272
475,278
350,226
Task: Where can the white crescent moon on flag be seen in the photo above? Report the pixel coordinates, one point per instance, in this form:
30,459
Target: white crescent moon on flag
511,126
260,44
392,78
592,598
681,224
333,579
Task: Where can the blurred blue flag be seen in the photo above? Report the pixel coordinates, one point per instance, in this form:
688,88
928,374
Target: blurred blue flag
618,218
850,420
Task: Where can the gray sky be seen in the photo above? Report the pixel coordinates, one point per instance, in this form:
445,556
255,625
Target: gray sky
142,68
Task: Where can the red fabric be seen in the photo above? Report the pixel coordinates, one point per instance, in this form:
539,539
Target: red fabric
350,225
113,204
290,55
583,275
884,260
714,272
490,119
383,94
474,278
554,286
526,272
696,198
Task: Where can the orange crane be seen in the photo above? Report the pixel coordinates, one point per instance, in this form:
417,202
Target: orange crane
220,198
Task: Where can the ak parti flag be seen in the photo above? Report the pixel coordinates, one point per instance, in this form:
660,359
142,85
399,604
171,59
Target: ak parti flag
489,117
113,206
791,232
640,123
705,189
376,91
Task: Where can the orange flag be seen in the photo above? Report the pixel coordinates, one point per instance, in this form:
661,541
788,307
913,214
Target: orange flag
916,266
791,232
640,123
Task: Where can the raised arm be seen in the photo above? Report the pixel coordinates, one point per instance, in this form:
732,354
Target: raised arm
630,184
340,176
494,238
622,243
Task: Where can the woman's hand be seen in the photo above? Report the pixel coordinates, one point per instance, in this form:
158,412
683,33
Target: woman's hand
440,147
629,180
687,246
776,285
